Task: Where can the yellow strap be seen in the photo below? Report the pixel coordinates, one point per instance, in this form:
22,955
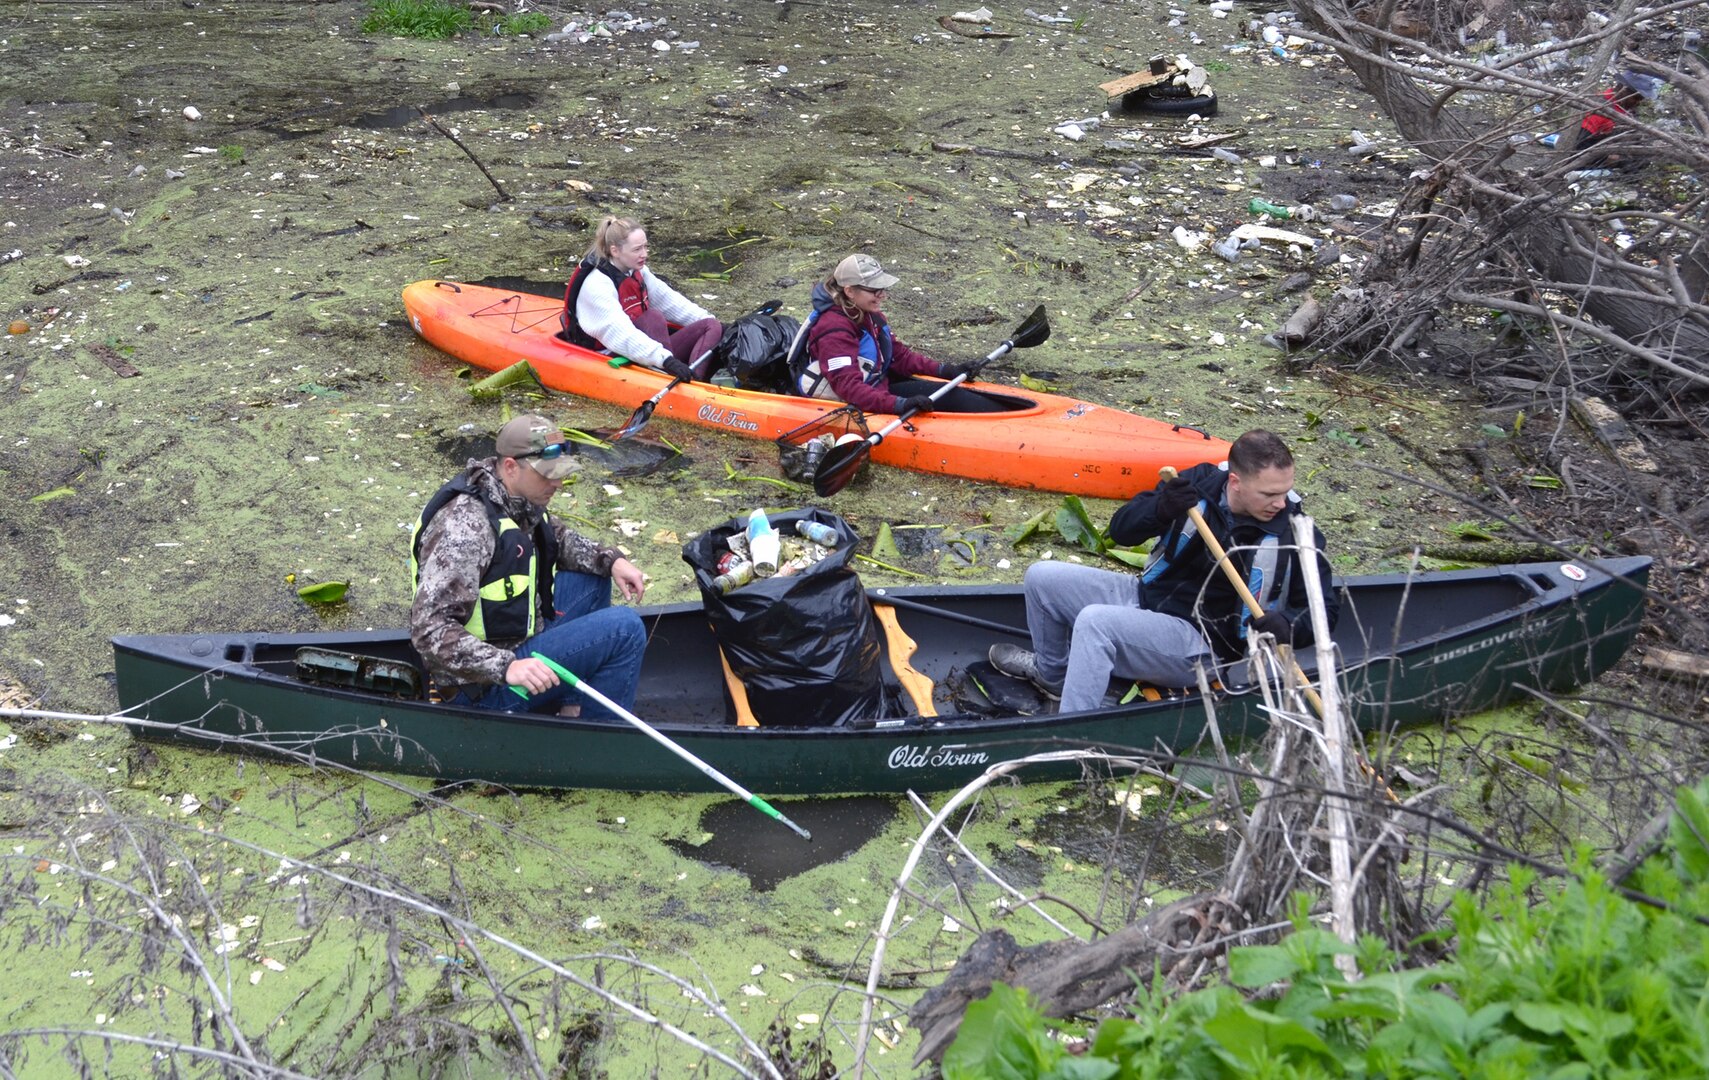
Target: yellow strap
916,683
738,693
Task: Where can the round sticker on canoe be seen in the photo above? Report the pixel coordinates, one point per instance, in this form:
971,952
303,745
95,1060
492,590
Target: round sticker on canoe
1572,571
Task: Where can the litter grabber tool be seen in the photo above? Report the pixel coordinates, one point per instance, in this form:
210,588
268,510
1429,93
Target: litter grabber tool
648,730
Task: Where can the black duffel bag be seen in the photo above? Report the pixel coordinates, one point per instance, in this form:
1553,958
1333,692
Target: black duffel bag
805,646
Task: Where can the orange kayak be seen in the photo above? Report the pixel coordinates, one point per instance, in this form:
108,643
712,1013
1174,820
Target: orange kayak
1047,442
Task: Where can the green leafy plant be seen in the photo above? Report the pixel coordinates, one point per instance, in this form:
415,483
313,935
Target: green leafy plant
232,152
324,592
1566,979
1074,525
432,20
525,22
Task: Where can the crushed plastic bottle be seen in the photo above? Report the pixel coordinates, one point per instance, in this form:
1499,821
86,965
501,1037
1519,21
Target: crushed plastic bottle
763,544
1343,202
1263,206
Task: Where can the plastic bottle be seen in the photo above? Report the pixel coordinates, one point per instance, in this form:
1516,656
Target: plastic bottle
763,544
818,532
1343,202
1261,206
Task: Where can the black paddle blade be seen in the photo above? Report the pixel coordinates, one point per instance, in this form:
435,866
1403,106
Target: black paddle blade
637,420
839,466
1034,330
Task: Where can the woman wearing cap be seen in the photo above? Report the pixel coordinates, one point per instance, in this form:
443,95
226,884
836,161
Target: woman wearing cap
1624,98
615,304
851,355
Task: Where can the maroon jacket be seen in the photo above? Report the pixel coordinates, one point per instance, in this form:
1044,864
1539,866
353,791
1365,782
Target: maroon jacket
835,335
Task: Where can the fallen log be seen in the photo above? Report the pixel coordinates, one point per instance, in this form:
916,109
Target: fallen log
1065,977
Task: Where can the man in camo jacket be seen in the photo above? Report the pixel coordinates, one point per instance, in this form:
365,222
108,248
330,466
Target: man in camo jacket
497,580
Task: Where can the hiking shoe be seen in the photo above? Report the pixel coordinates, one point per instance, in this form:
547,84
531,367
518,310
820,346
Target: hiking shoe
1019,663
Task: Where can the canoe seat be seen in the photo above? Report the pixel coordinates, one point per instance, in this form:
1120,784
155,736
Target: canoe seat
355,671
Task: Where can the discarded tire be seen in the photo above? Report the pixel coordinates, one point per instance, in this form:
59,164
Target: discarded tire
1169,104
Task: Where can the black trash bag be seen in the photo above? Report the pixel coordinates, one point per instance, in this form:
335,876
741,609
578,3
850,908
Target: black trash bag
806,646
754,349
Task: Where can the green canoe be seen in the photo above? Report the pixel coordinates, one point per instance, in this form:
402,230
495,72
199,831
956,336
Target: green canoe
1417,648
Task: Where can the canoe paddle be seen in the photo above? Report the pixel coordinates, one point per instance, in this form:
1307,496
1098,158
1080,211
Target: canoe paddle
648,730
842,462
1214,546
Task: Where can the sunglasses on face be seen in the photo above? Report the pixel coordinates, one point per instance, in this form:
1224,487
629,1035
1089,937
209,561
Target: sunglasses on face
875,292
550,451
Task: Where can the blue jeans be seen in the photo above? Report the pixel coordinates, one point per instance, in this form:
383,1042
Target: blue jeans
1087,626
600,643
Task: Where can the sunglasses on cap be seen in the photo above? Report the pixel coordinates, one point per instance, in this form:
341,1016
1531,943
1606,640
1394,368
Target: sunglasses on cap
550,451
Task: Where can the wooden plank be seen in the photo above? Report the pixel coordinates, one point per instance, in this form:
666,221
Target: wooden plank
110,356
1139,80
1672,662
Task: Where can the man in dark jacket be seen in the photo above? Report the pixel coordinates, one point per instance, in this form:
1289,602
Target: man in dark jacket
497,579
1089,625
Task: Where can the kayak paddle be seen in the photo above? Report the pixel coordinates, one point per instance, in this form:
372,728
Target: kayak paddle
639,418
841,463
648,730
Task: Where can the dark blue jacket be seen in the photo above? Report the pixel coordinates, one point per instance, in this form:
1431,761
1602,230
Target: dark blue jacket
1181,567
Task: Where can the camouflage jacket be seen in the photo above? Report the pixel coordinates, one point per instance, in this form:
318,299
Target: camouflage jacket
456,547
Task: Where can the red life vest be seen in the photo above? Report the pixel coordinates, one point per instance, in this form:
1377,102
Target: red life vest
1599,124
631,294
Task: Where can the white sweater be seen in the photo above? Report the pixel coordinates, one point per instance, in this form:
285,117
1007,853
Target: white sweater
602,317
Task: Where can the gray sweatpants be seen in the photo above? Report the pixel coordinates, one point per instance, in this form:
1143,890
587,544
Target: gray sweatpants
1087,627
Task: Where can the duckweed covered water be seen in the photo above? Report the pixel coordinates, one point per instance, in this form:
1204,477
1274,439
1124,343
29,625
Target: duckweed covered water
286,427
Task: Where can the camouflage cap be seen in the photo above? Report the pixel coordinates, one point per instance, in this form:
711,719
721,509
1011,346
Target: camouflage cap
530,438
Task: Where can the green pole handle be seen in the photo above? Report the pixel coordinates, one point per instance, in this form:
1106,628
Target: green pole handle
647,729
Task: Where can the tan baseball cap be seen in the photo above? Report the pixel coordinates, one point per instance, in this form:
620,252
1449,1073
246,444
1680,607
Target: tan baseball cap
537,442
863,270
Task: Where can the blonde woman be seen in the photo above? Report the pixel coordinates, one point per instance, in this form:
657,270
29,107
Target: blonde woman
614,304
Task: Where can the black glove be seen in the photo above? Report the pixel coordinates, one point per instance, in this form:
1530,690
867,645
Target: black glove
918,403
1275,624
676,369
950,371
1176,498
